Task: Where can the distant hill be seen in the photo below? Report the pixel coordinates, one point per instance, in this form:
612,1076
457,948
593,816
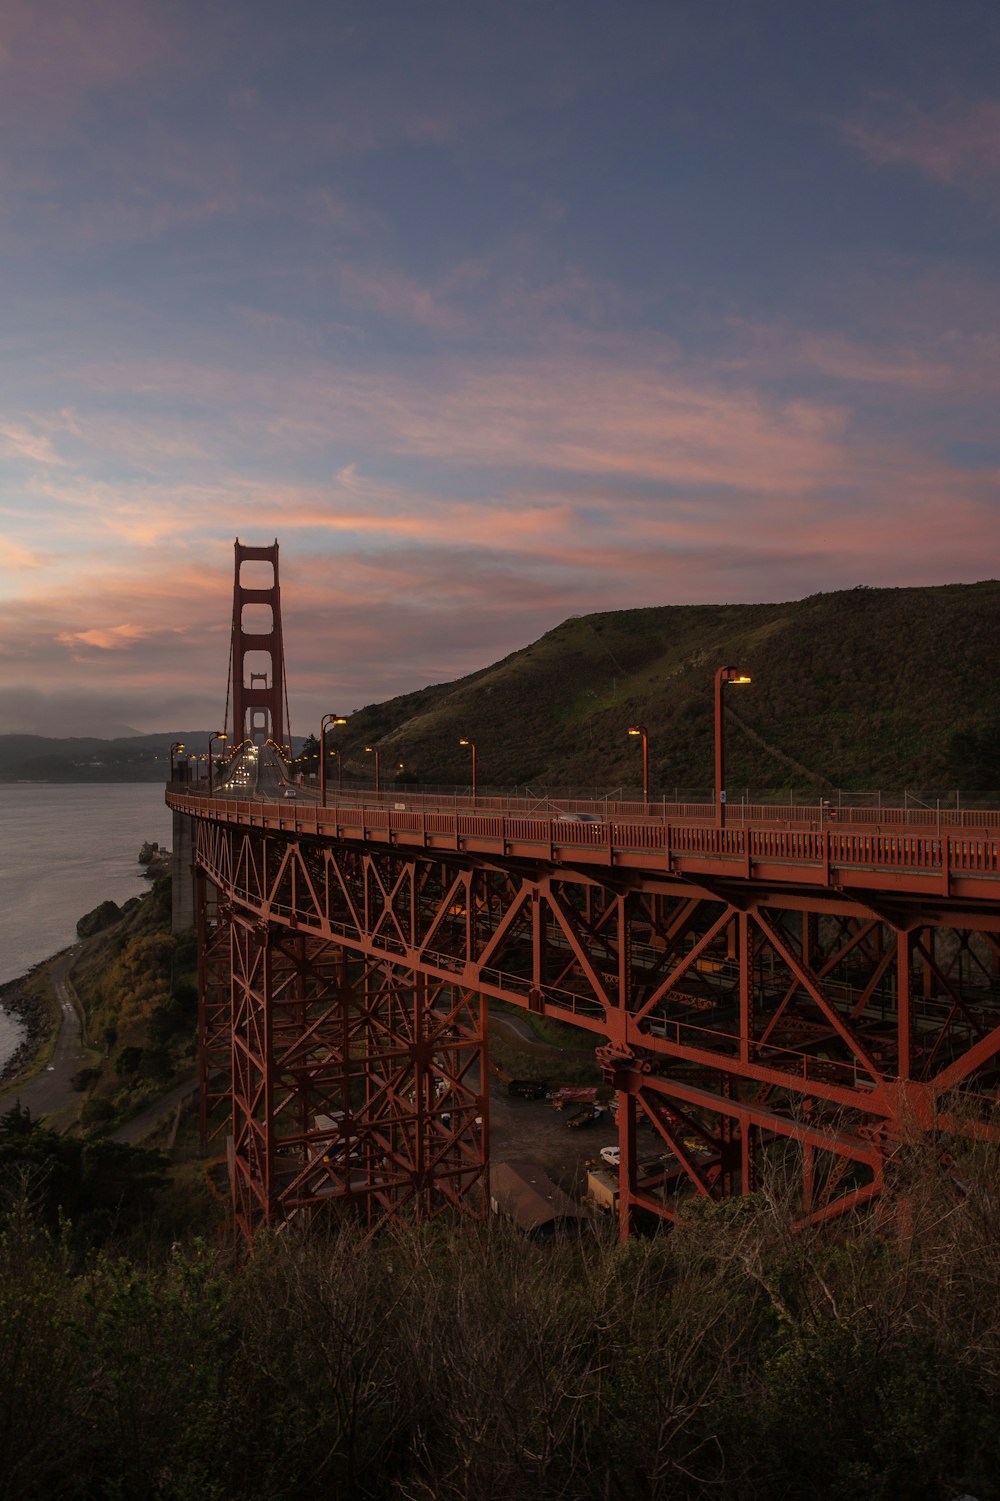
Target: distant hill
860,689
132,758
83,758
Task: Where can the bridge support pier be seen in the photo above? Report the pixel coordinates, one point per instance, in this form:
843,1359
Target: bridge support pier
355,1087
182,893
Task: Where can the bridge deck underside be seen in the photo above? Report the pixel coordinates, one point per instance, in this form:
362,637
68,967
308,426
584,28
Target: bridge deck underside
751,1025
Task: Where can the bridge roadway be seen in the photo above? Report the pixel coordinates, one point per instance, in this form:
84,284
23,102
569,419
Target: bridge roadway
790,978
884,850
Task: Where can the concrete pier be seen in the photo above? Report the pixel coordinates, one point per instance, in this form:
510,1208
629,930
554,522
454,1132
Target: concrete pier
182,872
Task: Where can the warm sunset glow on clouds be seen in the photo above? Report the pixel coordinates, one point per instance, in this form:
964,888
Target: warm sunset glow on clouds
491,314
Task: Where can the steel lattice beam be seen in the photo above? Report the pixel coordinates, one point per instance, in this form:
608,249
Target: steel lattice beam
730,1019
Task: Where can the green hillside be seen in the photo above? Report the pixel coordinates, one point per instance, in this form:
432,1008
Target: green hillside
861,689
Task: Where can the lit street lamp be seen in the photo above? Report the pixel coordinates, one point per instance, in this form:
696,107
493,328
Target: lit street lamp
724,675
472,746
215,735
373,750
637,729
325,724
178,745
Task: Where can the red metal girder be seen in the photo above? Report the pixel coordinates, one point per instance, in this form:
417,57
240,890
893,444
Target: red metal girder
816,993
558,941
306,1040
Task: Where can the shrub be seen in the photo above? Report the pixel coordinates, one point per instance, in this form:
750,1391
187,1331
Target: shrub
128,1061
97,1113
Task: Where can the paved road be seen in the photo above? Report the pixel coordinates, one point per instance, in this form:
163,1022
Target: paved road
50,1091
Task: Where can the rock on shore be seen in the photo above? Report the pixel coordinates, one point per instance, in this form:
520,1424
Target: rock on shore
100,917
156,858
35,1017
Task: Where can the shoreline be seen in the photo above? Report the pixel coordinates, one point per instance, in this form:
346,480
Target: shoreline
30,1000
37,1014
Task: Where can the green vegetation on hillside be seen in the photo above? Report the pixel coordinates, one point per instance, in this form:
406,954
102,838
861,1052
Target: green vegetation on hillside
862,689
138,988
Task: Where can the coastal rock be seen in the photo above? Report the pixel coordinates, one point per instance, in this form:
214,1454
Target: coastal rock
101,917
148,852
32,1013
160,865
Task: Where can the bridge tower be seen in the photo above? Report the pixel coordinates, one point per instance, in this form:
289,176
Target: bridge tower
258,660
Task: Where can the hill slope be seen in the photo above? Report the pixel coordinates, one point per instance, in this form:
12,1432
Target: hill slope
860,689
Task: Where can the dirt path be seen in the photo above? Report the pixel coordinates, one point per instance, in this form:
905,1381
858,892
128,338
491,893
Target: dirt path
140,1126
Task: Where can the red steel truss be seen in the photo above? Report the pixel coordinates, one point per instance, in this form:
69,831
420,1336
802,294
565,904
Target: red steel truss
755,996
348,1083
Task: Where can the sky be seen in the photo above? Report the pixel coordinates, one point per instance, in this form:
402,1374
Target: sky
491,312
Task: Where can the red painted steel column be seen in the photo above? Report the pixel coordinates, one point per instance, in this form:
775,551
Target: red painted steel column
747,1021
626,1156
904,1003
537,950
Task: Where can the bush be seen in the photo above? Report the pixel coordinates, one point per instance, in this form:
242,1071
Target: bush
84,1078
128,1062
156,1065
96,1113
176,1015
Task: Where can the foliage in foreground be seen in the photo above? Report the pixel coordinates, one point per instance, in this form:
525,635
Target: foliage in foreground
731,1358
90,1189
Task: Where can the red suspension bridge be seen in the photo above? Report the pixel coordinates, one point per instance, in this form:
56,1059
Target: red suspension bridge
760,991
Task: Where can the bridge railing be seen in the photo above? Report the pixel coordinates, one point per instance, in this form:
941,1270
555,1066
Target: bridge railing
811,815
741,845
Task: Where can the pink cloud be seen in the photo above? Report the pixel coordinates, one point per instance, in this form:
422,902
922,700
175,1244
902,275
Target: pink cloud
392,294
19,441
51,56
957,142
107,638
15,557
597,415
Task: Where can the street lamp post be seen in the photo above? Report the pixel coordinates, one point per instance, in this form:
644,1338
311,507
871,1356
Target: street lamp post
472,747
373,750
723,676
325,723
178,745
637,729
215,735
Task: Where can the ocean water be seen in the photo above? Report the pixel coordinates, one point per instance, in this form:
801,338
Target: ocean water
63,849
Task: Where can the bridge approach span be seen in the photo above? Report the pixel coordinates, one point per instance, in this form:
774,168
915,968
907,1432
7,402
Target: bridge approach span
764,997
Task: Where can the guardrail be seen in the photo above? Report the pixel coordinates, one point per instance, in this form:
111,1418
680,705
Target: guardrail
666,843
801,815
